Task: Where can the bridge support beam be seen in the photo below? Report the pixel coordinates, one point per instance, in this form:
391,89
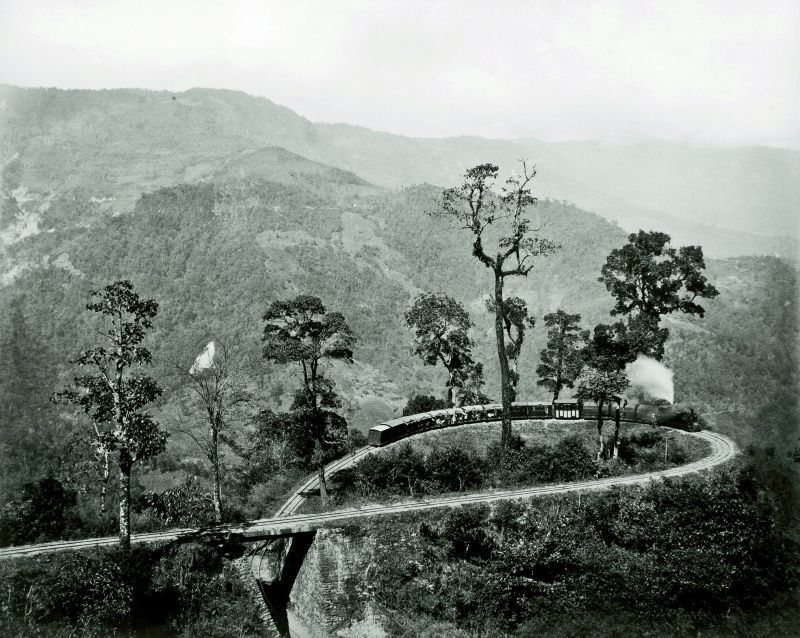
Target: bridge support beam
274,565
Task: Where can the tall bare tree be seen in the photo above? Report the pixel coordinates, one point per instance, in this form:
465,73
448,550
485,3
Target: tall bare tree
218,392
503,241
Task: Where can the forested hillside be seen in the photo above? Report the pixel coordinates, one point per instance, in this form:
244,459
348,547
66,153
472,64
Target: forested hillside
179,197
215,254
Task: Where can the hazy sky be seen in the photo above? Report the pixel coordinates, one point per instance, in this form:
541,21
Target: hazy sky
721,72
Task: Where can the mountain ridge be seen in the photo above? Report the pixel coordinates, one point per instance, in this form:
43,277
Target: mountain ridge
752,193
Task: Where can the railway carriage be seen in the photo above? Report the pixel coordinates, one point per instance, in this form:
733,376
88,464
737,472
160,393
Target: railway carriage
676,416
566,409
590,410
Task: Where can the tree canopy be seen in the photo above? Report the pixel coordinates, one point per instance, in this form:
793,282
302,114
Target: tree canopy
441,335
300,330
649,276
561,360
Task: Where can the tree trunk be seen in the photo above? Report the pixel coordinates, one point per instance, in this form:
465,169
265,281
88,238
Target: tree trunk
104,485
616,433
450,403
601,444
124,500
323,487
505,385
215,463
513,379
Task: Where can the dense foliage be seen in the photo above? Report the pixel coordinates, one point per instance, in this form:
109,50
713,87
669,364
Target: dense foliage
113,396
441,335
561,360
300,330
673,558
433,467
166,592
423,403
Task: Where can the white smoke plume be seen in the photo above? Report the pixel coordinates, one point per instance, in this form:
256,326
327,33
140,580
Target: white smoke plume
204,360
653,377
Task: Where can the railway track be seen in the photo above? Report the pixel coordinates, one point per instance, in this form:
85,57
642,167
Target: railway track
286,521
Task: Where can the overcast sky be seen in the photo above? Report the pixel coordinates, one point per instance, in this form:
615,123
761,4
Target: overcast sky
722,72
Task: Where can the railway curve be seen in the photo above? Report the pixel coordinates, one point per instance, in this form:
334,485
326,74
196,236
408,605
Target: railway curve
286,522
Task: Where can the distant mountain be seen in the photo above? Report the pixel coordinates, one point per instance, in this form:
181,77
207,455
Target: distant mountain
120,143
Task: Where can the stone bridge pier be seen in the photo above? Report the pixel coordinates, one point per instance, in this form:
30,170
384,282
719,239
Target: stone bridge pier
270,569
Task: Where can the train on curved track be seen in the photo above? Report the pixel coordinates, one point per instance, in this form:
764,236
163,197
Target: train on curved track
678,416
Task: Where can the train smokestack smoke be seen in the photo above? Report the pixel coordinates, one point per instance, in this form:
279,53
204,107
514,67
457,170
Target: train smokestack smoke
653,377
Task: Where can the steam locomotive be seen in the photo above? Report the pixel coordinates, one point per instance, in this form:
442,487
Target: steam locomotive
678,416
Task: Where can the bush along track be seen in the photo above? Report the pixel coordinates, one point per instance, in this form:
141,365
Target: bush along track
723,450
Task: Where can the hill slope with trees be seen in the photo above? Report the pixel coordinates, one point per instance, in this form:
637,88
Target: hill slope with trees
196,201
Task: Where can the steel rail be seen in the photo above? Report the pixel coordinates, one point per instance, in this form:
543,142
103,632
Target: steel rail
723,449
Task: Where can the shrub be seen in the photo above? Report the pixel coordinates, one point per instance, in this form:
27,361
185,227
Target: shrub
454,470
464,530
356,439
187,504
44,512
569,460
90,591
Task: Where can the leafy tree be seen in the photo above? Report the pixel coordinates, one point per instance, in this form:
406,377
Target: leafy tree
601,386
609,347
644,335
604,380
649,277
423,403
515,321
43,513
276,444
219,394
502,241
471,390
561,360
301,331
114,397
440,327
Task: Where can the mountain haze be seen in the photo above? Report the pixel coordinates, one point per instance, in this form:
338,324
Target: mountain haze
733,201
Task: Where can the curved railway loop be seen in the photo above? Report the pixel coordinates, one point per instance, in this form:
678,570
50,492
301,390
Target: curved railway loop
286,522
